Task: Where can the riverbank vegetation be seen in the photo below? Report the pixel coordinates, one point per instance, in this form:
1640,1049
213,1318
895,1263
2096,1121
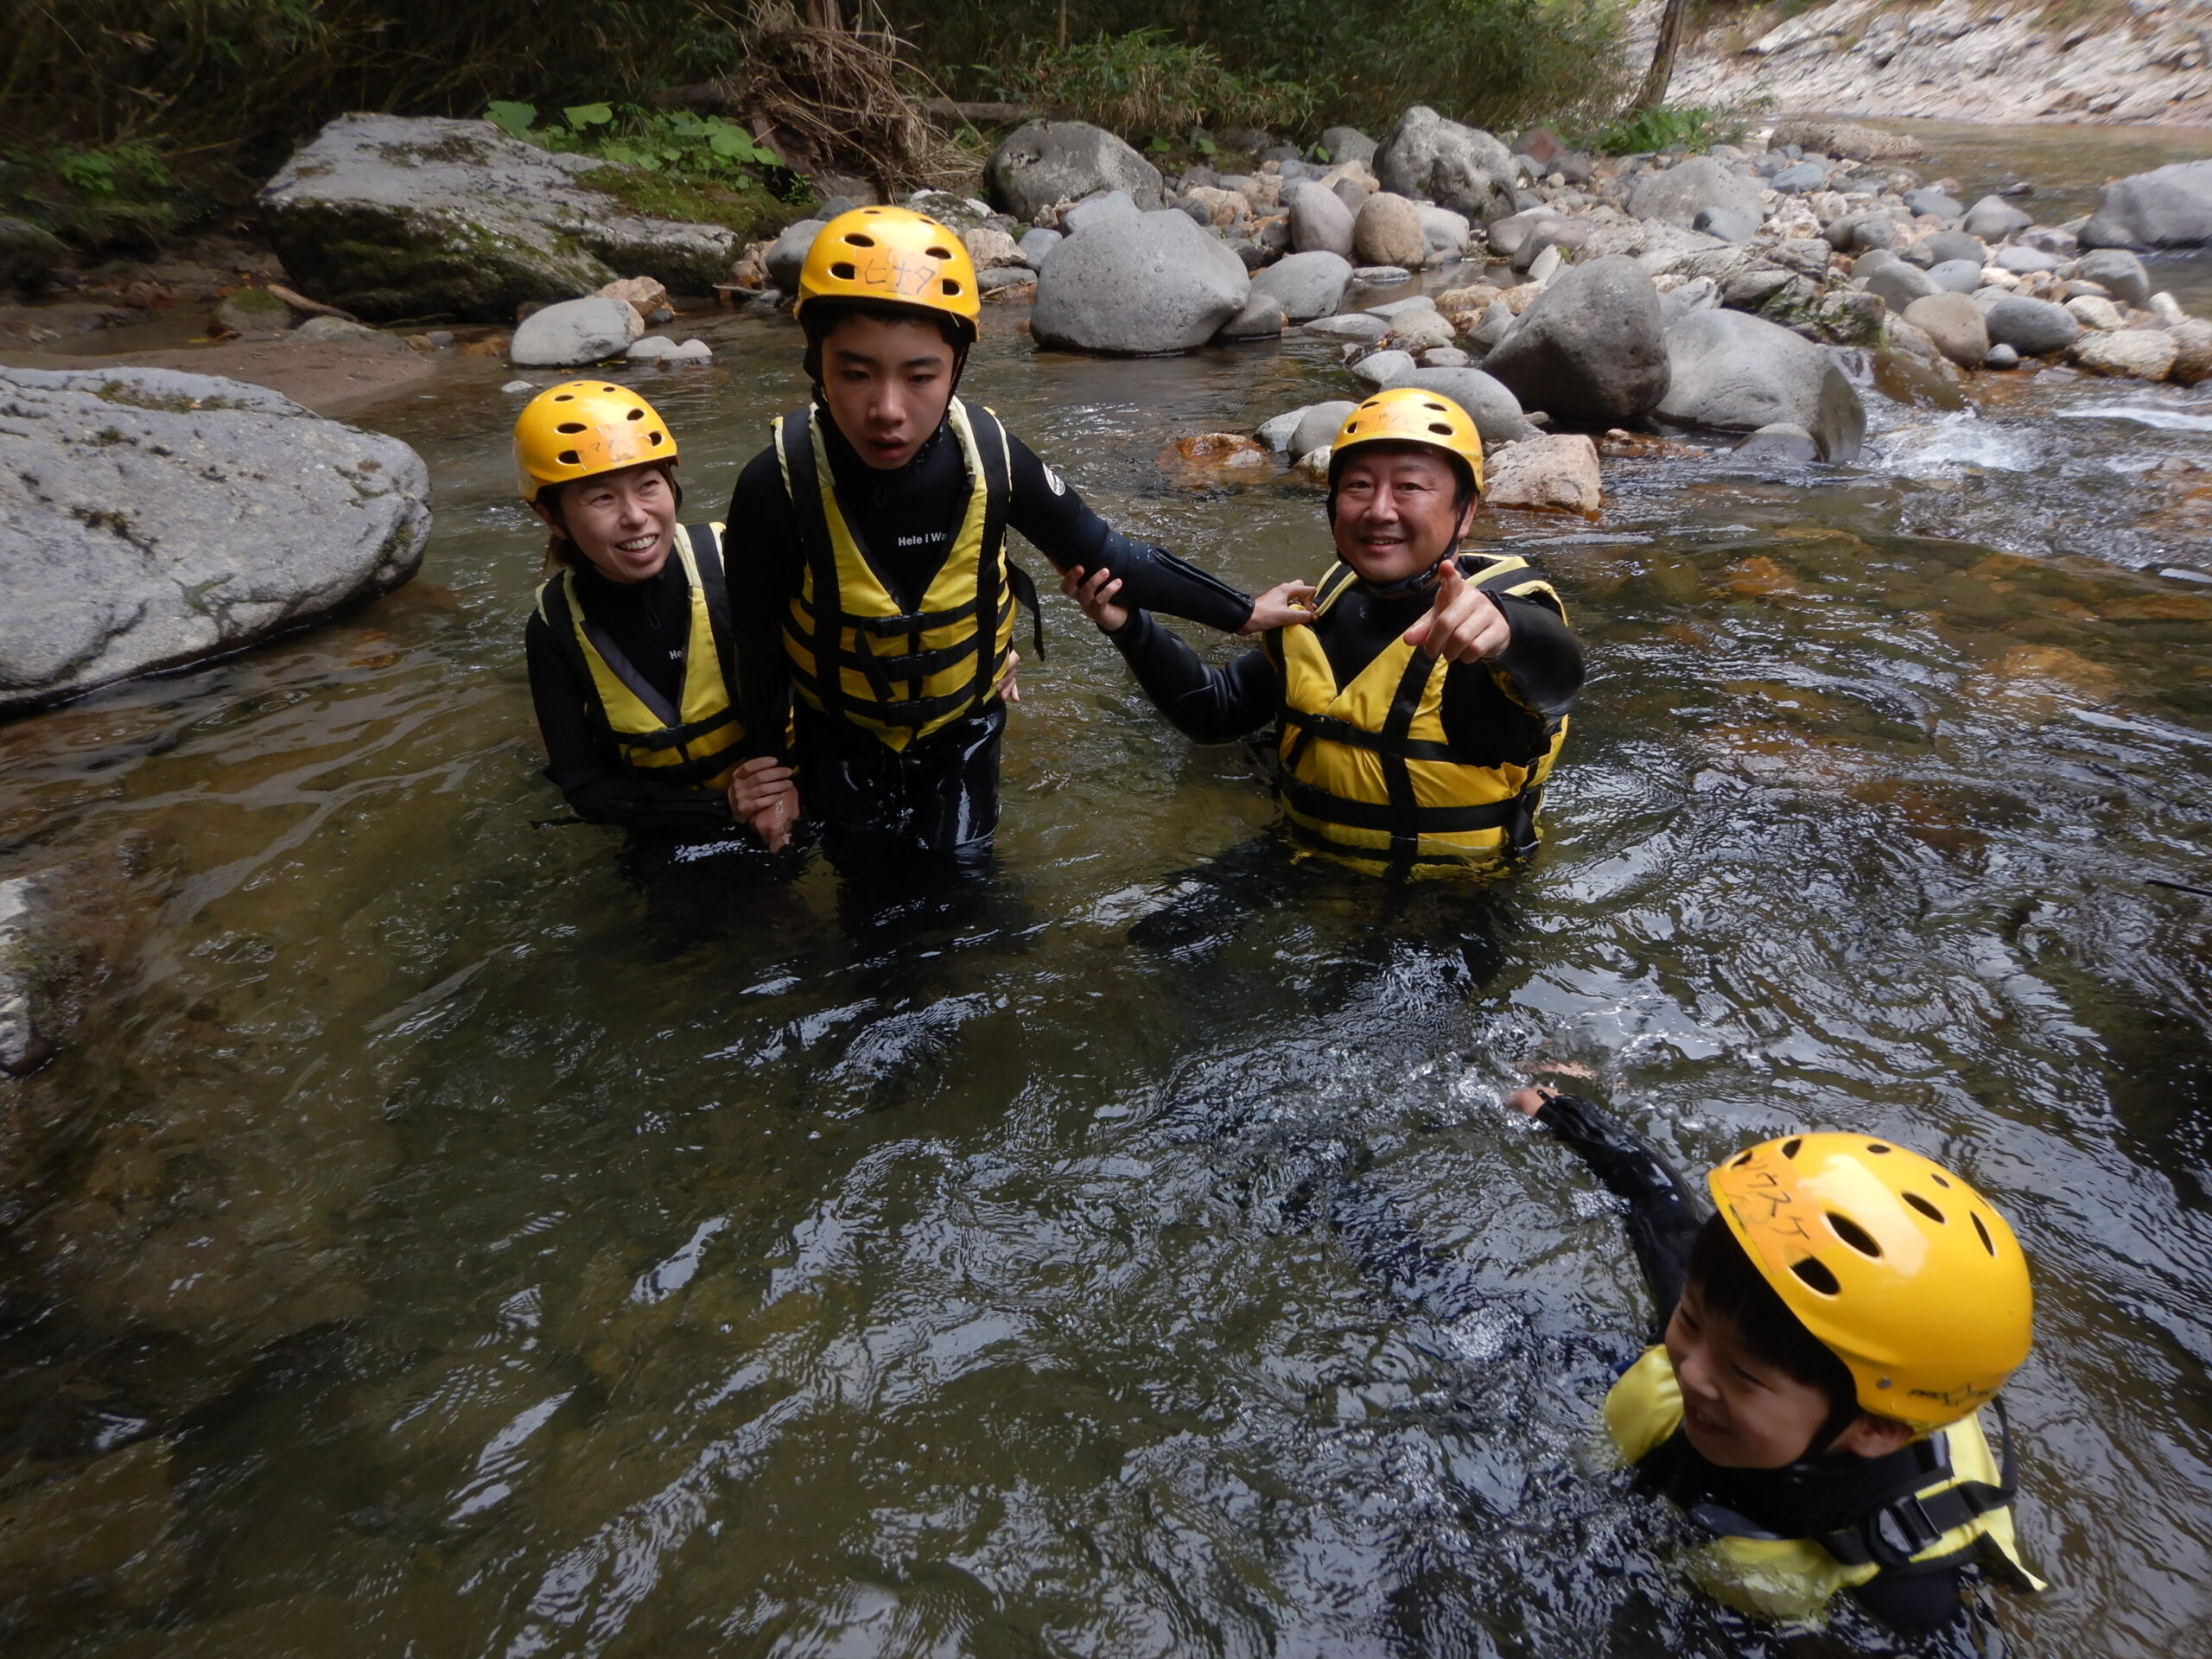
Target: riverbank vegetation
122,122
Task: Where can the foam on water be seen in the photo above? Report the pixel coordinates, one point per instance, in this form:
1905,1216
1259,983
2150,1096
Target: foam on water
1949,445
2170,420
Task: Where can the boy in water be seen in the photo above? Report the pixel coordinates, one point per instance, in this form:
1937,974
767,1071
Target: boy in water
1831,1336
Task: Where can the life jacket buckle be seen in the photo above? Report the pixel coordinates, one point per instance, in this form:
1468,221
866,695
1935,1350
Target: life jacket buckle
1900,1530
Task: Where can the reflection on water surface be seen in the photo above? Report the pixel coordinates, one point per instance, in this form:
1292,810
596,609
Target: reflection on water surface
435,1246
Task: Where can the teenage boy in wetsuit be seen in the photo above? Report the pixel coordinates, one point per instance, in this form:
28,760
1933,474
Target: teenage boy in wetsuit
1392,761
1832,1336
632,665
867,571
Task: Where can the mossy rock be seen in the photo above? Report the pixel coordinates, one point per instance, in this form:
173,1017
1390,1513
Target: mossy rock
396,217
254,311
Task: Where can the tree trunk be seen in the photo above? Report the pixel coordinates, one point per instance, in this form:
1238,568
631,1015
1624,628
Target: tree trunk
1653,93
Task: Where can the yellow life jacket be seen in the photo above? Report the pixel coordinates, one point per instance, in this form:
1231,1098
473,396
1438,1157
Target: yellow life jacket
854,655
690,744
1368,776
1963,1508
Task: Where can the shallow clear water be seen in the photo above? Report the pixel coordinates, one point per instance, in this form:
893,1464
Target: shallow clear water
429,1244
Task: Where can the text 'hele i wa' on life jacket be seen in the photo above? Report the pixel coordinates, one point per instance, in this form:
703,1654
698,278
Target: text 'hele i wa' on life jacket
854,653
1954,1504
689,744
1368,776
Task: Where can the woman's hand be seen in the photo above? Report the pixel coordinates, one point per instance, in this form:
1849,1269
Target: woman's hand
1094,593
1009,688
1286,605
762,795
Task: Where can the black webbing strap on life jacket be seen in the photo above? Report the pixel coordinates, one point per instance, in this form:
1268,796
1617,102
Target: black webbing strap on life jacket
1903,1523
796,433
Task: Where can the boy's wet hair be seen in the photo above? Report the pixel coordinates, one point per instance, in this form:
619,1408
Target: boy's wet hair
1730,1286
820,316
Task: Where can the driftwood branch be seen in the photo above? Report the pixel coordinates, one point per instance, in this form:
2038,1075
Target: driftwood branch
980,114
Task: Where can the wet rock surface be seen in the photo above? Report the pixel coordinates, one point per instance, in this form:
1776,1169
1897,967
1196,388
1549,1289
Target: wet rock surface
1590,350
402,216
1147,283
162,519
1047,162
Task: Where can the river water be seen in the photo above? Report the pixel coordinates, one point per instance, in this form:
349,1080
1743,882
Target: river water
428,1242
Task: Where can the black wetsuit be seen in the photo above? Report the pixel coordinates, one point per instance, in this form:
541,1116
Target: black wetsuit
649,622
1495,713
1804,1500
939,795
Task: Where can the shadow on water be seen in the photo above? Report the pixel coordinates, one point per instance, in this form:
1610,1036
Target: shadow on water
429,1241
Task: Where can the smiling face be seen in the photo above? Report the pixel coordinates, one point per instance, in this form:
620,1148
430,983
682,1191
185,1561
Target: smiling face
1397,510
1738,1411
887,381
623,522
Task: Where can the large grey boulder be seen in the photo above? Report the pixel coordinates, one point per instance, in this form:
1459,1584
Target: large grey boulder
1139,286
2031,328
1494,410
1319,221
1590,351
2119,272
156,518
1730,370
1678,195
1347,144
27,254
2167,207
1047,163
1992,219
574,333
787,255
1317,427
1429,158
412,216
1309,285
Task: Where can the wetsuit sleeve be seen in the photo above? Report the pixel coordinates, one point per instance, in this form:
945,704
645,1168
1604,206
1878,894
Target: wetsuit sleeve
760,564
600,792
1065,531
1664,1214
1208,705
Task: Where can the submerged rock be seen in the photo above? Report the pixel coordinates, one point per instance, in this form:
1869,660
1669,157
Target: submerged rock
159,518
1151,283
396,216
1047,163
1590,351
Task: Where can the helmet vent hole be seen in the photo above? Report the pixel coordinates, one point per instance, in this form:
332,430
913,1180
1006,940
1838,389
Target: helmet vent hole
656,438
635,415
564,397
1853,1234
1876,1146
1937,1179
938,253
1922,1205
1982,1233
951,287
855,240
1439,429
1816,1276
843,270
570,426
1740,1160
570,458
1789,1146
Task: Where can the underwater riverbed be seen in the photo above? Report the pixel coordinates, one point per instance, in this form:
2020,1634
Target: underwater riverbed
438,1245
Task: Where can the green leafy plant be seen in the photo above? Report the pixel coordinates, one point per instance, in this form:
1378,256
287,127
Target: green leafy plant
1656,129
1146,83
675,141
117,193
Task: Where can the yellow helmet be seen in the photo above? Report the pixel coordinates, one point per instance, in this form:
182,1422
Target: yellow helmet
1409,415
1897,1266
895,255
582,427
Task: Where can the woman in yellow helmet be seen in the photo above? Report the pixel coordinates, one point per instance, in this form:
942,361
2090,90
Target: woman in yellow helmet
633,666
1393,761
1833,1340
868,576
